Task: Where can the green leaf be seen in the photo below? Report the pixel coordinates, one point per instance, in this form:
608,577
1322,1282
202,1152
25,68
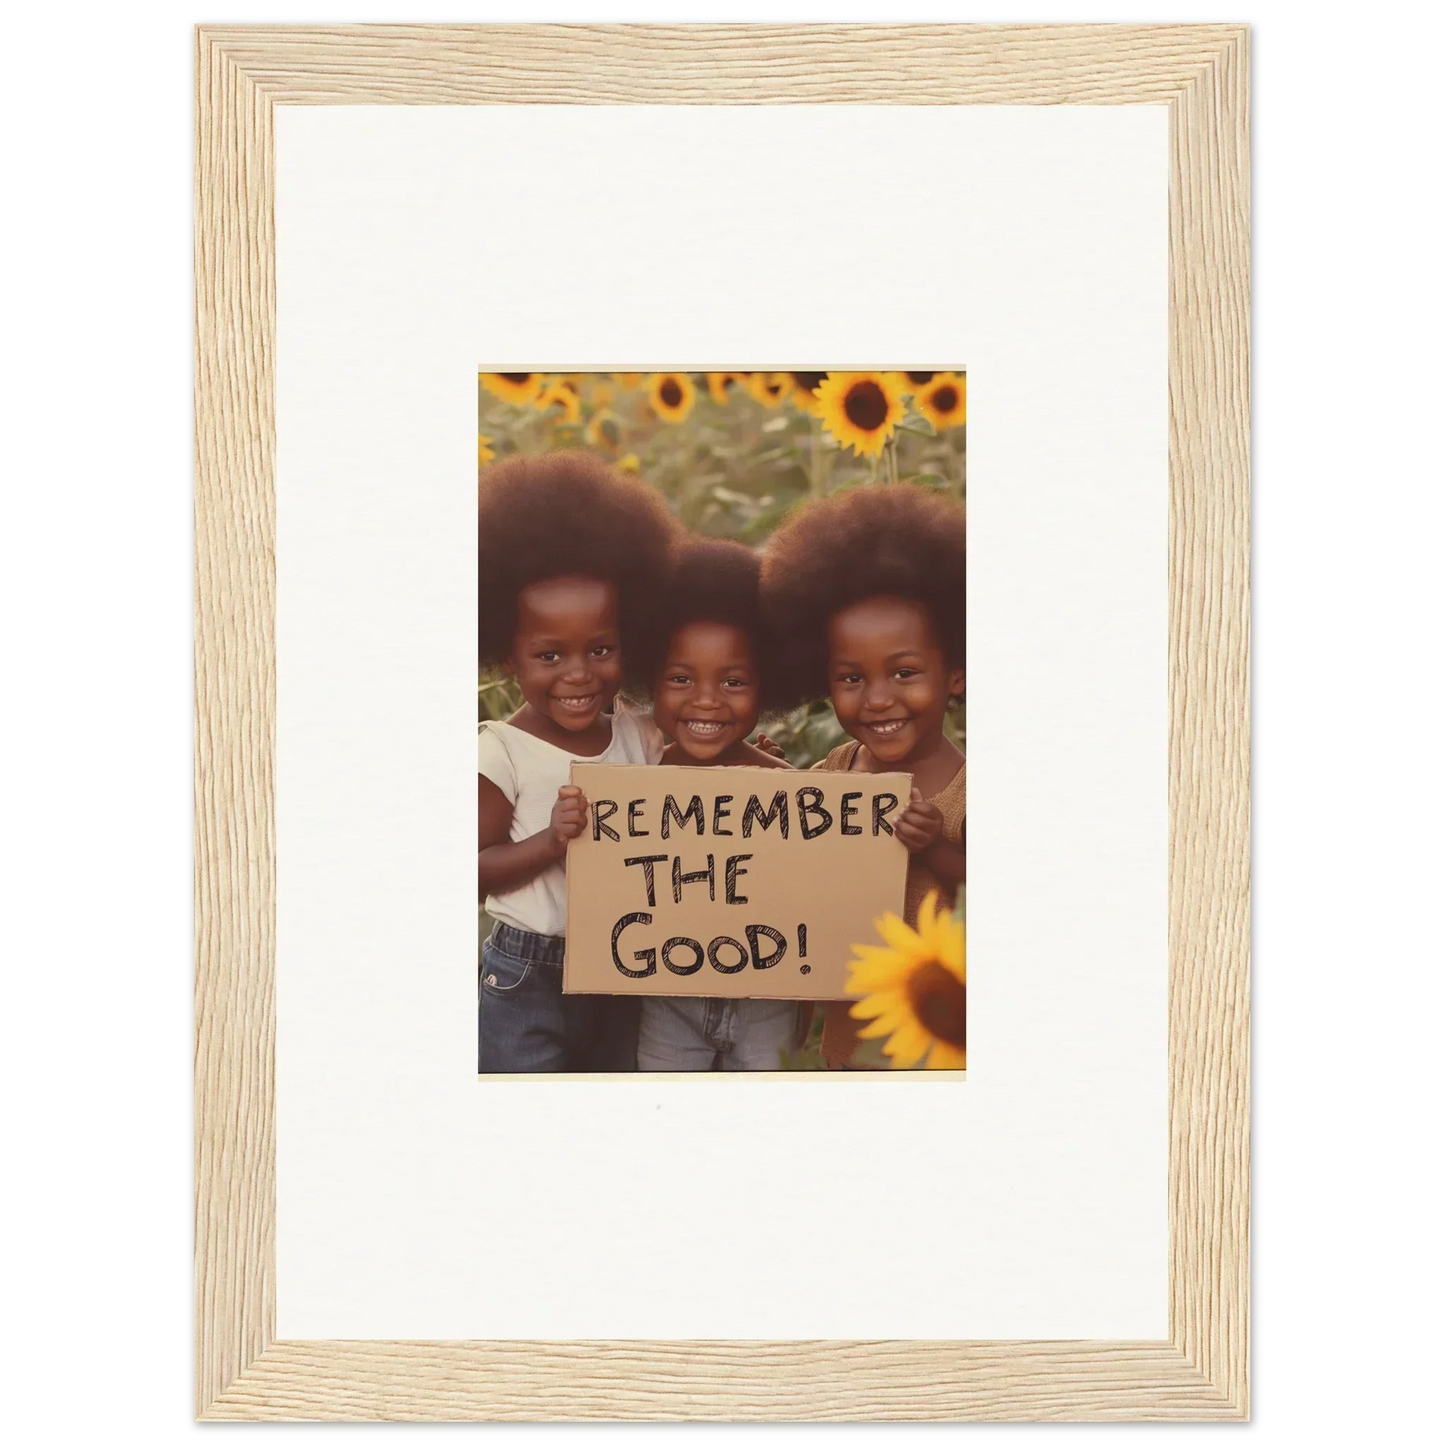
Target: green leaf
762,526
726,494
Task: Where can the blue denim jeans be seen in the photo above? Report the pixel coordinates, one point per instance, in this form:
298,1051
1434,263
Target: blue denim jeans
527,1025
693,1034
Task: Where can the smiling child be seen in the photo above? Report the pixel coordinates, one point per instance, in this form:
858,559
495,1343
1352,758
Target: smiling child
712,674
870,586
570,553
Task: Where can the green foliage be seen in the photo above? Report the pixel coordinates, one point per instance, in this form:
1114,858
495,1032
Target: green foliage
497,699
733,469
810,1054
807,734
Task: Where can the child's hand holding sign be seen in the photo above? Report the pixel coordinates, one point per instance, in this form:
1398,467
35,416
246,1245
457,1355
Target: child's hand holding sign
569,817
918,824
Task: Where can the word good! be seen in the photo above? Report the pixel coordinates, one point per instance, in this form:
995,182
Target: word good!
738,882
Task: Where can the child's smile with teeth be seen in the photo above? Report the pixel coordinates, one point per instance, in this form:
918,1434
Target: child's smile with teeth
707,697
890,682
578,704
567,659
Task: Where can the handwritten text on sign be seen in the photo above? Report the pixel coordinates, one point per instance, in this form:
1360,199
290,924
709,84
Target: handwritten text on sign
729,882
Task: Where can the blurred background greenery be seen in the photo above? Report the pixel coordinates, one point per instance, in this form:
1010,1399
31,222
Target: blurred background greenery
733,453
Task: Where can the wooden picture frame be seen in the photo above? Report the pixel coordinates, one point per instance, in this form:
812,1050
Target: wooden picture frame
1201,1372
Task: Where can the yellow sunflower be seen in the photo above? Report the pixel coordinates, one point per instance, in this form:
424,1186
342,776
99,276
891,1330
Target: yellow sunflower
912,381
671,394
805,388
627,380
769,387
604,431
521,388
861,408
563,394
629,463
915,991
484,450
944,401
721,383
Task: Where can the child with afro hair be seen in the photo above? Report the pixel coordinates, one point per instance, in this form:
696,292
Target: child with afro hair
712,671
570,556
711,667
869,585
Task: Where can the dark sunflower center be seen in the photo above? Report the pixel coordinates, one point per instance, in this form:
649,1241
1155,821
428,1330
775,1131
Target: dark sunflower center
920,378
670,392
808,380
772,387
517,378
945,398
865,405
940,1002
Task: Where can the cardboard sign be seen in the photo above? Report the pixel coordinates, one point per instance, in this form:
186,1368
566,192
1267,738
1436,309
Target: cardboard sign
729,882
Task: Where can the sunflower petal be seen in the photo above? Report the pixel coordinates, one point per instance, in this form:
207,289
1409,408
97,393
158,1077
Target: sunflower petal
875,1004
945,927
945,1056
860,409
893,1009
927,913
671,395
871,953
882,1027
900,936
908,1045
950,949
943,400
886,973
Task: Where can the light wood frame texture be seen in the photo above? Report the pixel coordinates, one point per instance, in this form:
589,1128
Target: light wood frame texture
1201,1371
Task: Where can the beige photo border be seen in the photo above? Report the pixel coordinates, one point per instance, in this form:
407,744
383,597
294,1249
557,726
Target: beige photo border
1201,1372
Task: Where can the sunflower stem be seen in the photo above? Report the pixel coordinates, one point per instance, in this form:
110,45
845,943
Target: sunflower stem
815,480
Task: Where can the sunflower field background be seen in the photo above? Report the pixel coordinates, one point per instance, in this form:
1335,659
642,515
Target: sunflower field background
733,452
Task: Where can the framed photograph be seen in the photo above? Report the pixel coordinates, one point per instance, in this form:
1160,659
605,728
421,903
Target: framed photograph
691,589
813,373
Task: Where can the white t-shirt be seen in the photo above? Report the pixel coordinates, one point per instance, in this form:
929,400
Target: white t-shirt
529,772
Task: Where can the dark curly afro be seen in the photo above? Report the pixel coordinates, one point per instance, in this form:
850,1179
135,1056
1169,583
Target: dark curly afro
561,514
892,540
715,580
